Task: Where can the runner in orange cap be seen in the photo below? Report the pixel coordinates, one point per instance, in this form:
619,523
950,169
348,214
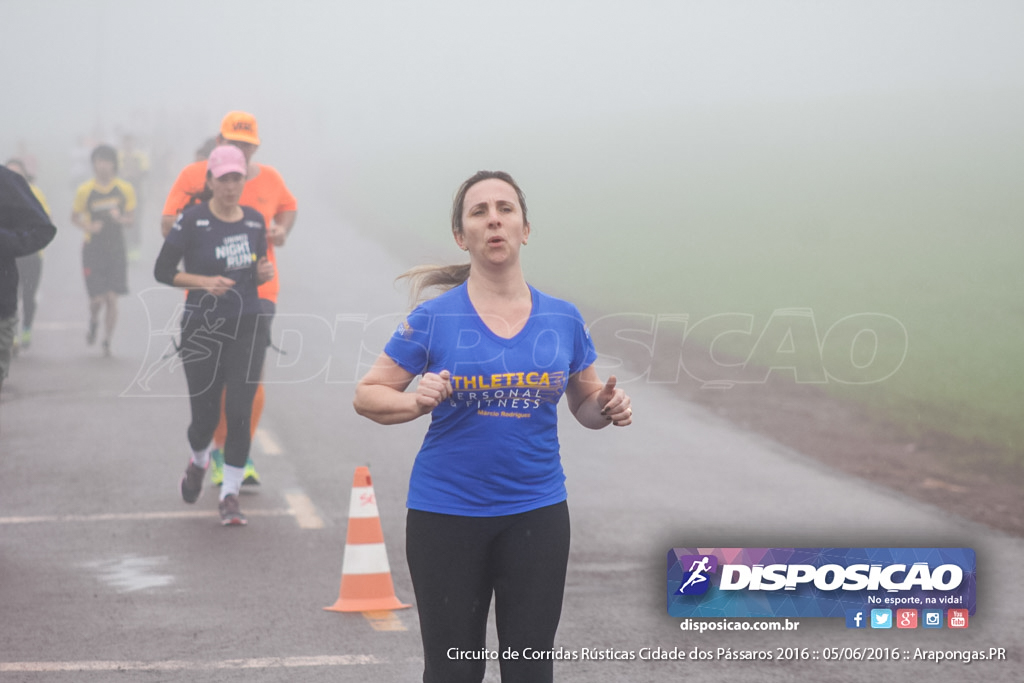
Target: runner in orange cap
264,191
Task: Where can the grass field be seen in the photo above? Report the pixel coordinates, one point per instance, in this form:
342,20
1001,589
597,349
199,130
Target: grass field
905,207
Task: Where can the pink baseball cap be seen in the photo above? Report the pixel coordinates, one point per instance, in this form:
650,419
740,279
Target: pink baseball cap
226,159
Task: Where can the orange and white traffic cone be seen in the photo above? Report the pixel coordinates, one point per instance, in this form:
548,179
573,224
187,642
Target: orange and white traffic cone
365,573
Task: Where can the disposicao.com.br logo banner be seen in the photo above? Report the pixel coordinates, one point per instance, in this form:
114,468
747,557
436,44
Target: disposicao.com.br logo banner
816,582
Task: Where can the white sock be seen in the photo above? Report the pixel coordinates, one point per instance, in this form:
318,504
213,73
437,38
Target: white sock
202,458
233,477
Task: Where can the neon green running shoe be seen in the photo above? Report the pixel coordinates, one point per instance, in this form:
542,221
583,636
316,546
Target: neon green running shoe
251,477
217,466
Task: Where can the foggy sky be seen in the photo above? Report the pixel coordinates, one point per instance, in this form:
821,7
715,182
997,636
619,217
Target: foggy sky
378,75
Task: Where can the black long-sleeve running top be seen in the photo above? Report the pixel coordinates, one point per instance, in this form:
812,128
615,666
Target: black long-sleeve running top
210,246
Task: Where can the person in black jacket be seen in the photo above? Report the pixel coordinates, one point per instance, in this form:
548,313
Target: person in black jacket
24,229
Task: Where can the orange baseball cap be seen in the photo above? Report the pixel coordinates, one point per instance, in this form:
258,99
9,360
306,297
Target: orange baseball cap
240,126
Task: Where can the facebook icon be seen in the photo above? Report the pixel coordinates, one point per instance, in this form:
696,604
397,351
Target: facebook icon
856,618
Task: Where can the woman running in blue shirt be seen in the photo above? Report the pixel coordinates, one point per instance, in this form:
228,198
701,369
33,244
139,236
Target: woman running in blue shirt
223,334
487,512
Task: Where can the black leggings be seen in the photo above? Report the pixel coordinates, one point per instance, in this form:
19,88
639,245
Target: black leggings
229,361
30,271
456,563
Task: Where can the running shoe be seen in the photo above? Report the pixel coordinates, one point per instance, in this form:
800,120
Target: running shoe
230,514
217,466
192,482
106,348
26,339
90,336
252,478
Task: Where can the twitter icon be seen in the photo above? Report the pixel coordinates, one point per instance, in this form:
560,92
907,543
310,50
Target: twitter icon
881,618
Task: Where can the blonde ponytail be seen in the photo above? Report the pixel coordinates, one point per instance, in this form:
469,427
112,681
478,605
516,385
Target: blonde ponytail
443,278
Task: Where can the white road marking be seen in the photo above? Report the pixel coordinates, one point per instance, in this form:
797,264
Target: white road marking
268,444
184,665
131,573
138,516
304,510
299,505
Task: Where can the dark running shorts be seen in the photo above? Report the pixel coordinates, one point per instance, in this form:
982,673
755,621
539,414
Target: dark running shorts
105,267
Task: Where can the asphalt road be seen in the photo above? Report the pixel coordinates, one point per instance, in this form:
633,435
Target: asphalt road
105,574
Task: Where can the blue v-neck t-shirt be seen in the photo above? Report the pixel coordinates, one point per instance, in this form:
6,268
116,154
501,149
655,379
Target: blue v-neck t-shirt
492,448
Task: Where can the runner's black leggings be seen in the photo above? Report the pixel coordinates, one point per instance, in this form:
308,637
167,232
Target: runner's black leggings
229,361
456,563
30,271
